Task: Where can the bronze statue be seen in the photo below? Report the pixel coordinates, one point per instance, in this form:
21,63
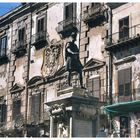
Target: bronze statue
72,59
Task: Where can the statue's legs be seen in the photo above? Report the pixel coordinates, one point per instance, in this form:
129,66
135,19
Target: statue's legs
81,78
69,78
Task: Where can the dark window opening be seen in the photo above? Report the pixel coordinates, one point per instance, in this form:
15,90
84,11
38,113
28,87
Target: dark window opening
21,37
124,28
124,126
69,11
16,108
40,25
21,34
3,46
3,113
124,82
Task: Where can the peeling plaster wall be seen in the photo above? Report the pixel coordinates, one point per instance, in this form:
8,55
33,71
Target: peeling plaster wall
37,58
54,15
96,43
19,70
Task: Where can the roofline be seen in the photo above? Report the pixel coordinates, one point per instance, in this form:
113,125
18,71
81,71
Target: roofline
9,17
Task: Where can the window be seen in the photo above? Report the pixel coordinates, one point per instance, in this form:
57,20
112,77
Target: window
124,28
21,36
124,82
3,46
93,86
3,112
35,106
40,25
16,108
70,11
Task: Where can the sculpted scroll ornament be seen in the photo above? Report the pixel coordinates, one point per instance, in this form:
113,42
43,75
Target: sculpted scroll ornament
53,58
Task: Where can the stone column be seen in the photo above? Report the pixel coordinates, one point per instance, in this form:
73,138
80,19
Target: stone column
51,126
70,134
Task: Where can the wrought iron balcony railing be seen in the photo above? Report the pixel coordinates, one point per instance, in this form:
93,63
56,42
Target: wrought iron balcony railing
94,15
135,95
39,39
127,34
20,48
66,26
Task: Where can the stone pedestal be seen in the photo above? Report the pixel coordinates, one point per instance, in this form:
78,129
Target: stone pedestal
74,114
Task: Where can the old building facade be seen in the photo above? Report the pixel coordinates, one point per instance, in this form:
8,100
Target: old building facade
35,99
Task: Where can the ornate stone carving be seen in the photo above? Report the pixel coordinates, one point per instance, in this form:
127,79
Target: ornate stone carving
53,58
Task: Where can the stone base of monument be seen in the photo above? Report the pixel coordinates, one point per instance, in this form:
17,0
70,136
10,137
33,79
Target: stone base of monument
73,113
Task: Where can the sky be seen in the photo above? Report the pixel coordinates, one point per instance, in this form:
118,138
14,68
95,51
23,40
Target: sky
5,7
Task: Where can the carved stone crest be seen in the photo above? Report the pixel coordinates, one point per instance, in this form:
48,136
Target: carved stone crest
52,58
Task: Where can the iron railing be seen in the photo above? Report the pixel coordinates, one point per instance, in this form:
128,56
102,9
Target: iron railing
70,22
135,95
93,11
125,34
40,36
20,44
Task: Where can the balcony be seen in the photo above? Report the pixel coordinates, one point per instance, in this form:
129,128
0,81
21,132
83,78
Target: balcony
94,16
126,37
20,48
39,40
67,26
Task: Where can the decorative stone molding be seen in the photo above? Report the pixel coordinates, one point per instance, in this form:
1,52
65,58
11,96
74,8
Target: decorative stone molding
52,58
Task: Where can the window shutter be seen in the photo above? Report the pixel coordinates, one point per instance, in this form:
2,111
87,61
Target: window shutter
127,81
89,84
16,108
35,108
121,82
32,99
124,82
96,87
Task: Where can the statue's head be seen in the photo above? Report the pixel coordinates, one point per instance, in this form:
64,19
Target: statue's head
73,36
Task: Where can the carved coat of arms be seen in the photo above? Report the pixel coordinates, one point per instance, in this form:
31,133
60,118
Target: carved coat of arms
52,58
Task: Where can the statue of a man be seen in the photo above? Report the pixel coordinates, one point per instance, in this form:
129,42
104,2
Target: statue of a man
72,59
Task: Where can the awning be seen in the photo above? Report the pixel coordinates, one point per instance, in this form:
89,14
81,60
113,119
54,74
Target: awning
123,108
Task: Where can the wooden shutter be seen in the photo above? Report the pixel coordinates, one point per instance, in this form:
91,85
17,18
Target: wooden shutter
35,107
124,82
93,86
16,108
96,87
127,85
121,82
89,85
